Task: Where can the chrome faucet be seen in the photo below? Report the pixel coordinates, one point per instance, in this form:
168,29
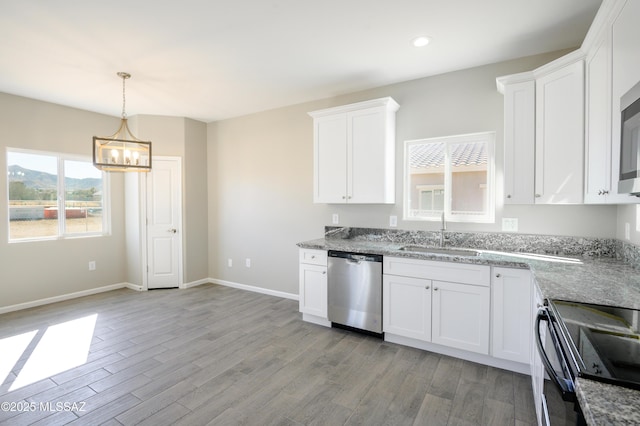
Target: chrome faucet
443,227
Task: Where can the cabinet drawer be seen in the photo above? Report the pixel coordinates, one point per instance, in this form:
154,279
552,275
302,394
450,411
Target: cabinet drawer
434,270
313,257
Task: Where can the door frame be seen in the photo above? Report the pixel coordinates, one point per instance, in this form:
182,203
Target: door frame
144,255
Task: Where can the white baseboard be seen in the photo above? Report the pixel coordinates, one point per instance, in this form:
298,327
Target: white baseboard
134,287
196,283
254,289
54,299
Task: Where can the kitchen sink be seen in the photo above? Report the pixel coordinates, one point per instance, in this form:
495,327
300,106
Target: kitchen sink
442,250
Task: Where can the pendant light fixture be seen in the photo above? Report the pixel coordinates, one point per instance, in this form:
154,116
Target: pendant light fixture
122,151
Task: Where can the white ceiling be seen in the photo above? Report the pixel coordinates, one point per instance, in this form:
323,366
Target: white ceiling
215,59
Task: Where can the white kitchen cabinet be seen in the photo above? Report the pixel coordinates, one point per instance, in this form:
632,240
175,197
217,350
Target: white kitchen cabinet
625,74
544,133
461,316
313,286
601,158
519,137
559,147
354,153
440,302
407,306
511,294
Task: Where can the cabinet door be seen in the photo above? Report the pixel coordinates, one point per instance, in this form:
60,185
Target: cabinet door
560,136
313,290
625,74
511,314
330,157
406,307
371,153
461,316
598,123
519,142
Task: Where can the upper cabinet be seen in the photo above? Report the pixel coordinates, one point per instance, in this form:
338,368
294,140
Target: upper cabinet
625,72
519,140
560,132
576,111
544,133
602,150
354,153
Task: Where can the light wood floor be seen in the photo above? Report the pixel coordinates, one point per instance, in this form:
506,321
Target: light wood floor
217,355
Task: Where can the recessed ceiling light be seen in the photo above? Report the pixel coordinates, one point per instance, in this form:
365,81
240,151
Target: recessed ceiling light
420,41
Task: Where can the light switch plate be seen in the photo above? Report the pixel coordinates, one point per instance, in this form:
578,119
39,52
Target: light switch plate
335,219
393,220
510,224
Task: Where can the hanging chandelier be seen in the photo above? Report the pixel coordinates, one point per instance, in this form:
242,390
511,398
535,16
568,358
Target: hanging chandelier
122,151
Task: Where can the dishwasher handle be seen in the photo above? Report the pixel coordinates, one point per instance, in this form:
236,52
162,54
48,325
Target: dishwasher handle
355,258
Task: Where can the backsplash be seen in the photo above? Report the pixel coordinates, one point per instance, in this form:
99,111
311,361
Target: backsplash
507,242
628,253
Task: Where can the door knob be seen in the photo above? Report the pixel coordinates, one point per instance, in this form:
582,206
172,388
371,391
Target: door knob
498,275
173,230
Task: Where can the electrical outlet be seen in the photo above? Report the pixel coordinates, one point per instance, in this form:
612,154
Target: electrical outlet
92,265
393,220
247,262
510,224
230,263
335,219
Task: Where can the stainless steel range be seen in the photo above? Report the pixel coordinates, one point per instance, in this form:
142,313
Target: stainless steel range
593,341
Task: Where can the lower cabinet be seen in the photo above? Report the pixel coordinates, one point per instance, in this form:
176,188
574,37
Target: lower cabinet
442,312
406,307
313,286
460,316
511,314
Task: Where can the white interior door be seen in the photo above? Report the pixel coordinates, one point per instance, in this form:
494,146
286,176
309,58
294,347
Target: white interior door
164,224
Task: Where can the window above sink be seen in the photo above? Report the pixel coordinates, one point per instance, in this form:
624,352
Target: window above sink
452,174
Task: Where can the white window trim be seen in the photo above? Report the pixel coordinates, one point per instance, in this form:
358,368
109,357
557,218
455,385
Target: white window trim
490,138
61,201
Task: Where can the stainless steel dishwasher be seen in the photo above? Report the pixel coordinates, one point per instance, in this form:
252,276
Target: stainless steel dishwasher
355,290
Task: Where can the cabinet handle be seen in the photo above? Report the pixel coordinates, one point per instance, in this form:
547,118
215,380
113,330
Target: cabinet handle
349,197
538,195
427,288
498,275
324,272
509,196
605,192
435,289
344,198
313,256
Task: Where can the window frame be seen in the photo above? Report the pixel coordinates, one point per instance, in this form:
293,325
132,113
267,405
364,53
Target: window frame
489,216
61,200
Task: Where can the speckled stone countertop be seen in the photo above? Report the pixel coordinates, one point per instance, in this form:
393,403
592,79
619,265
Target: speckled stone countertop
589,270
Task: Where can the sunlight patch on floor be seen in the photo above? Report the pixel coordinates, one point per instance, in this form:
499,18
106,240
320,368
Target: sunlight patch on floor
11,349
62,347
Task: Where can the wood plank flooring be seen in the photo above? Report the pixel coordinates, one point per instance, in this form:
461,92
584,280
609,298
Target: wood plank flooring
222,356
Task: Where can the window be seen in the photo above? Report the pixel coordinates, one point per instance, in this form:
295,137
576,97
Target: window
451,174
40,185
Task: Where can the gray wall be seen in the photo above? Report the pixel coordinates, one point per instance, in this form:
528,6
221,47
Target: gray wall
36,270
261,177
30,271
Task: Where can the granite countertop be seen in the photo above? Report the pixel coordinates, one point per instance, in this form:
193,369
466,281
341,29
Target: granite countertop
565,268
